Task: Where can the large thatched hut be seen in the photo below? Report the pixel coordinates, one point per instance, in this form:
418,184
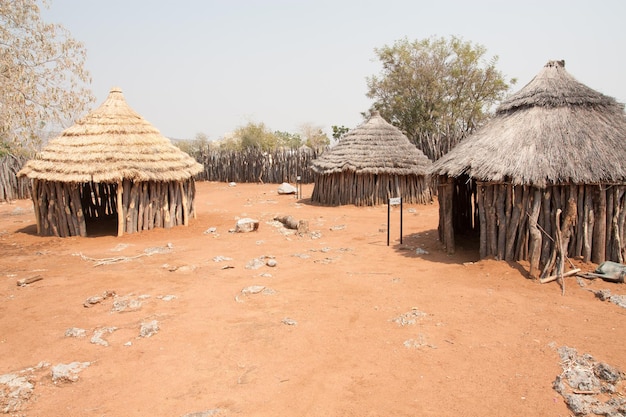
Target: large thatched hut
370,164
111,166
544,180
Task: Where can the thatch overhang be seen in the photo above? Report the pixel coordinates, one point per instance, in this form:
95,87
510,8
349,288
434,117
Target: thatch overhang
108,145
371,163
111,165
543,180
555,130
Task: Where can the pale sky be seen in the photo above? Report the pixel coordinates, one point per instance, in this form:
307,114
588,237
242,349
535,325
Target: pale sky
211,66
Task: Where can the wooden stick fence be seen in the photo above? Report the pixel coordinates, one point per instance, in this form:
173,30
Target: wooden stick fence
254,165
522,222
11,187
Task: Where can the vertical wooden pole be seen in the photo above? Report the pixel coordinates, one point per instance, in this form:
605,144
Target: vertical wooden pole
120,208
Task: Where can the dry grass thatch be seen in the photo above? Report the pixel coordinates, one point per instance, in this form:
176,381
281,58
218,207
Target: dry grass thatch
108,145
555,130
374,147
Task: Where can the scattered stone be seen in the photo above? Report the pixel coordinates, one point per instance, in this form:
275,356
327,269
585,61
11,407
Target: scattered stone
168,297
255,263
232,184
337,227
289,322
210,230
265,275
302,255
588,386
220,258
286,188
409,318
96,299
418,343
253,289
68,372
149,329
605,295
75,332
121,304
271,262
246,225
420,251
97,339
15,390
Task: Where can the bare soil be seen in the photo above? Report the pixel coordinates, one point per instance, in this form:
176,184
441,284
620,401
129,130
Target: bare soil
345,325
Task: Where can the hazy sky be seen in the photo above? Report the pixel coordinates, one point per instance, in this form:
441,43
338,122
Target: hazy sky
191,66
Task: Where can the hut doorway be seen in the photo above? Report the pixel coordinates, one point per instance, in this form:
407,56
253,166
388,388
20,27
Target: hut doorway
459,221
99,204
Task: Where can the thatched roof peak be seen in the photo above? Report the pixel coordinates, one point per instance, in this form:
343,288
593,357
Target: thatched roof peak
555,130
553,86
111,143
373,147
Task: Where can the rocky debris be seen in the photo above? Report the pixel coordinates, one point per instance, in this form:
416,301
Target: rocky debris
286,188
232,184
220,258
254,289
590,387
75,332
289,322
97,339
246,225
15,390
127,303
96,299
418,342
68,372
301,226
149,329
410,317
210,231
168,297
605,295
271,262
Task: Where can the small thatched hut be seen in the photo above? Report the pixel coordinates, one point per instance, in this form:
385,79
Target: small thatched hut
542,181
371,163
111,165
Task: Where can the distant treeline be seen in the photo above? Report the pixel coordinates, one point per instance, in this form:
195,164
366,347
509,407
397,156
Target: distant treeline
254,165
251,165
11,187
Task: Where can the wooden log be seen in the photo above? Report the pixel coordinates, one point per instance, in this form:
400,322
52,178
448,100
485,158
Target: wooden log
535,235
546,224
555,277
25,281
480,195
516,210
501,220
120,208
588,224
598,250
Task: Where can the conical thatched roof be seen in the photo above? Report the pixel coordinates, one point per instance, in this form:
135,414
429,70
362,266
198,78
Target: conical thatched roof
109,144
554,130
374,147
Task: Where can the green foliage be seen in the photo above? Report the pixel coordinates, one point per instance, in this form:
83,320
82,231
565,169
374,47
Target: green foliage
42,75
196,147
288,140
339,131
256,136
437,90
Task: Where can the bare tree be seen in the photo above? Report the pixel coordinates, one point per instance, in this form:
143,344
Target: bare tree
43,80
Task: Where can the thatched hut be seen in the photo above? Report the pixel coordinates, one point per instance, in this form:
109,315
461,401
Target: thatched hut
370,164
544,180
112,165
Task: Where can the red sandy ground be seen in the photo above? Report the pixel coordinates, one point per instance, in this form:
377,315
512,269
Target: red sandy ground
485,347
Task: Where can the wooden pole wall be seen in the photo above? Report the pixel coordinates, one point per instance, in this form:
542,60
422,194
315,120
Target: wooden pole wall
520,222
63,209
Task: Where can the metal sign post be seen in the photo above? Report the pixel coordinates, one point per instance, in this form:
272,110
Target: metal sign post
393,202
